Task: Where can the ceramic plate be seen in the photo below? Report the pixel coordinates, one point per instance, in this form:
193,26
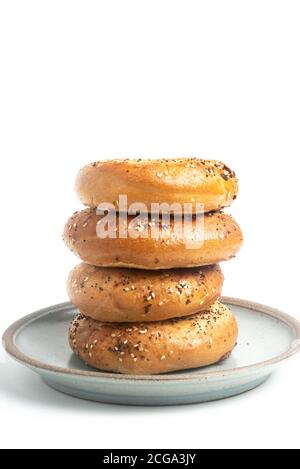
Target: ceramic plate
266,337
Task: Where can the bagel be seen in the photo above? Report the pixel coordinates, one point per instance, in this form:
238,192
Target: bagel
155,347
220,240
179,180
124,295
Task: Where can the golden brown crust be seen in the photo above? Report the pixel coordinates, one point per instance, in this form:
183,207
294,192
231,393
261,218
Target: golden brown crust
220,240
155,347
178,180
124,295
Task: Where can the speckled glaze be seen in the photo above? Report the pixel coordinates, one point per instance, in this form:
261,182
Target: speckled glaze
267,337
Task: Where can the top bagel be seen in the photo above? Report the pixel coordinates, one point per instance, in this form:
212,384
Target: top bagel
181,180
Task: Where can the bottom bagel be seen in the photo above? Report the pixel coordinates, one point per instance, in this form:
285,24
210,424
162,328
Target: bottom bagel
155,347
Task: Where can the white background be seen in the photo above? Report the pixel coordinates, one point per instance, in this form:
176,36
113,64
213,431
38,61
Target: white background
85,80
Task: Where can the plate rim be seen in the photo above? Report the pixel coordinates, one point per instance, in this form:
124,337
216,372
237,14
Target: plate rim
8,340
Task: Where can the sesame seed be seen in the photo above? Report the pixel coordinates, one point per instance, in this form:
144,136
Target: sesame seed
171,352
113,335
163,357
135,359
132,355
160,303
125,342
120,359
139,227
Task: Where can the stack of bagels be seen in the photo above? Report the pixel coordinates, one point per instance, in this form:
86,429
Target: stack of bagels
149,304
